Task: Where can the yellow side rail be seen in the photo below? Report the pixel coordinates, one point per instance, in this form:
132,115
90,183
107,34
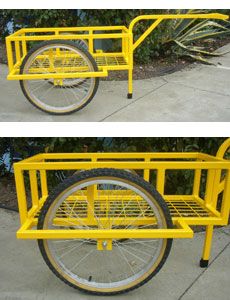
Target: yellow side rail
17,45
39,165
17,42
82,211
159,18
200,210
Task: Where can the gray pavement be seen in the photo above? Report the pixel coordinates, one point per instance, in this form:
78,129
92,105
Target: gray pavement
24,275
198,93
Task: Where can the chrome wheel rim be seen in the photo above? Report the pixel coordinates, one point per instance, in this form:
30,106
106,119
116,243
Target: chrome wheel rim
56,95
129,261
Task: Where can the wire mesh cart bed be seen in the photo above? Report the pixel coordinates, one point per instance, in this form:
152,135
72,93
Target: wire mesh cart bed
59,68
108,227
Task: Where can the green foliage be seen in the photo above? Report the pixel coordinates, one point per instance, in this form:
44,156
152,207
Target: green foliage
171,144
161,42
4,19
184,35
41,18
150,48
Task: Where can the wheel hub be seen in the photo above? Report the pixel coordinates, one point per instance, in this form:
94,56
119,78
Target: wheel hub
104,245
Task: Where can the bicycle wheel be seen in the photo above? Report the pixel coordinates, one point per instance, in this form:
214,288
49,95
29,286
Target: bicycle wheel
59,96
105,199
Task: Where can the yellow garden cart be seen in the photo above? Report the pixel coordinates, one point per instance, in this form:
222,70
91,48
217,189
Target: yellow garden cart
108,229
59,68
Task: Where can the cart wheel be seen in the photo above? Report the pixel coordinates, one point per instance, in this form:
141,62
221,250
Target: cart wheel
105,199
59,96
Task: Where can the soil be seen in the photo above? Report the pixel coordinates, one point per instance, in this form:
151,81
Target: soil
158,67
8,197
3,58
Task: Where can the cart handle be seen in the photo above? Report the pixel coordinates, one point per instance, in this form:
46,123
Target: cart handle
220,154
223,148
158,18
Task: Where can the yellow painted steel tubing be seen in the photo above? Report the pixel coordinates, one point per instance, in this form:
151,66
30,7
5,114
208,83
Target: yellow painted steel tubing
122,156
126,34
105,234
34,187
223,148
9,54
57,75
21,194
44,186
214,164
188,220
208,242
69,29
146,33
160,18
218,187
68,37
220,184
178,16
119,155
225,205
121,165
183,232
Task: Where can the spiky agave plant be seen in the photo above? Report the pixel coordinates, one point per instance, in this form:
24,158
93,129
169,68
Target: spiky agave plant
184,34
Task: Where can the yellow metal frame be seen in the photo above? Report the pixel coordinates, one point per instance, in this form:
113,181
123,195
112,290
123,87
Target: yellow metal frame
17,45
204,211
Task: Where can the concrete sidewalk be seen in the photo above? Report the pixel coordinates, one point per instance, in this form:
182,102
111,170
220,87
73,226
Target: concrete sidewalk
24,275
200,93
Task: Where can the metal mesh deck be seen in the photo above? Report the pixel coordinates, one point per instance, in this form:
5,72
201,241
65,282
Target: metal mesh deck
73,63
106,60
103,209
126,208
188,208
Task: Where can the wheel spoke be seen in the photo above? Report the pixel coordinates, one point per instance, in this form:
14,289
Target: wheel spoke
52,59
138,257
125,258
136,249
73,248
85,225
81,260
105,203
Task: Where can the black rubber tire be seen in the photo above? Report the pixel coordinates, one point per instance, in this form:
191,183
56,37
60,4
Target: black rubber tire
120,174
82,43
80,48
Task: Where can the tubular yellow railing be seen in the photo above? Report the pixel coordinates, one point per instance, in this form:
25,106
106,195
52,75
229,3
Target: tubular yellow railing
159,18
101,216
200,211
18,44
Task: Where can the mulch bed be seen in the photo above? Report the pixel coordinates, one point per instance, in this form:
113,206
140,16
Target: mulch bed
8,197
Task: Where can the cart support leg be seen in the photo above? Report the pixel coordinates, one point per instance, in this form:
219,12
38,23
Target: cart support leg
207,246
130,82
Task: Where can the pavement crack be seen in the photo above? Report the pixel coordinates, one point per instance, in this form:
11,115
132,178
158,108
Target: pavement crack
196,279
199,89
165,80
133,102
223,231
